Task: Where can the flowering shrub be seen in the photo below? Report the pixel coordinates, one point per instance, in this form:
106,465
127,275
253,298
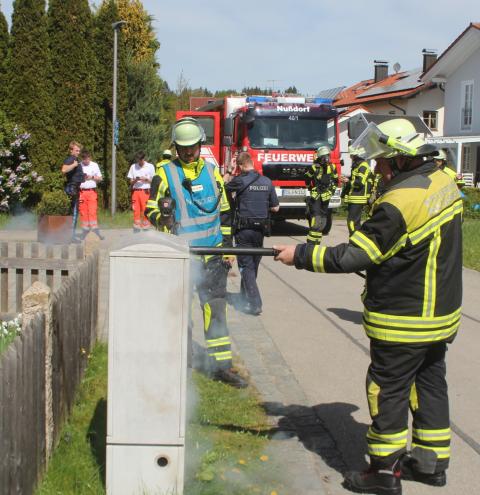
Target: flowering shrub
9,330
16,174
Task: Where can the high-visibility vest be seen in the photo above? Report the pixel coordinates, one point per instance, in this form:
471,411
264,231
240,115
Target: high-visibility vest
199,227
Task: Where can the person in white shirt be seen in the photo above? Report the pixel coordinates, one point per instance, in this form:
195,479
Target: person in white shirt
88,195
140,175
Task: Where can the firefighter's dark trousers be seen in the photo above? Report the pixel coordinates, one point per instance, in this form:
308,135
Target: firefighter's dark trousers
400,376
317,220
210,280
354,217
248,266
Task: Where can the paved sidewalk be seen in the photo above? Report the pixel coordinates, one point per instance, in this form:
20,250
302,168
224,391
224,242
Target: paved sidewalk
301,443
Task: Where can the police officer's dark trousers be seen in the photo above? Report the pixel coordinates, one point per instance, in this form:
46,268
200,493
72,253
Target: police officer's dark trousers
317,221
354,217
210,279
400,376
248,266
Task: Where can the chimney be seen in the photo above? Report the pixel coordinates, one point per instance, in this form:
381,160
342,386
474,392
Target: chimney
381,70
429,58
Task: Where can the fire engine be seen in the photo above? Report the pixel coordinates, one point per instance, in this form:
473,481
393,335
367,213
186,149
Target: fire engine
281,133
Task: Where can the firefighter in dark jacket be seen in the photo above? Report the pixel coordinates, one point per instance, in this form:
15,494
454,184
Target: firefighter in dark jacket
357,190
200,213
321,179
411,249
253,198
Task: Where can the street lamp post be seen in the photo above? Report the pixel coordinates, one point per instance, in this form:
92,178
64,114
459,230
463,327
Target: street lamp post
116,26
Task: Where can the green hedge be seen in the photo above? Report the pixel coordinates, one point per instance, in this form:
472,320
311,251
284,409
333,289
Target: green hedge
472,198
53,203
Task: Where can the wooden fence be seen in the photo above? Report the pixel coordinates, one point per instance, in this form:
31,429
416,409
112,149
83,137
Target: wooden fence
23,263
39,374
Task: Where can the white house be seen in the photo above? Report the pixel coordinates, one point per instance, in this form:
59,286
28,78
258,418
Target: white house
457,70
401,94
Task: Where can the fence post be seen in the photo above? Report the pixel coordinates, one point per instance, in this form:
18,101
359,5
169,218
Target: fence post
38,298
92,243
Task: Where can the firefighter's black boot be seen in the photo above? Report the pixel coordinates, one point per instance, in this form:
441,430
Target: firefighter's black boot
377,481
408,472
230,378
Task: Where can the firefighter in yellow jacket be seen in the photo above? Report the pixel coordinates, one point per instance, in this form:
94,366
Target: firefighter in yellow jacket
188,199
411,249
321,179
441,161
357,190
166,158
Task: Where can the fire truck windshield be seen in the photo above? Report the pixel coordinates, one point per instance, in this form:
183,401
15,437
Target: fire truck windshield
291,132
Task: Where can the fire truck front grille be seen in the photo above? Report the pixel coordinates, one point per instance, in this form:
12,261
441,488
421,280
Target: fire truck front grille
285,171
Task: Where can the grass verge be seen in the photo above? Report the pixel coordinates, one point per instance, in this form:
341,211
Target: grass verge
471,244
225,451
78,463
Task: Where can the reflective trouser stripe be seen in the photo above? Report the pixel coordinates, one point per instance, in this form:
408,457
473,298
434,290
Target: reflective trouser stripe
413,400
207,316
222,341
359,200
221,356
314,236
432,435
385,444
351,227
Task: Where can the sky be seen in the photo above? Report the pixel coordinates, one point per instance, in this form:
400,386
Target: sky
311,44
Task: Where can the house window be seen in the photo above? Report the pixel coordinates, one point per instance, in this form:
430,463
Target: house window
467,159
430,117
467,105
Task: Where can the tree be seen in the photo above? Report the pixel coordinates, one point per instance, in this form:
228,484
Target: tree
255,90
29,102
226,92
141,43
105,16
4,39
291,90
145,127
73,63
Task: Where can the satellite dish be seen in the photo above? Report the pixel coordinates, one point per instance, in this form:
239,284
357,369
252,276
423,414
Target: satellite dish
396,67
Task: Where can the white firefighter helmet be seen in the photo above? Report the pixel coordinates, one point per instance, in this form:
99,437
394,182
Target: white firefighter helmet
441,155
187,132
392,138
322,151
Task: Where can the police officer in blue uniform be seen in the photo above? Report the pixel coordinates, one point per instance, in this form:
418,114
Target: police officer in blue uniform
254,198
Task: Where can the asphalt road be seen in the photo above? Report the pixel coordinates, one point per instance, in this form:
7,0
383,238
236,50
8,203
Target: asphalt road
314,321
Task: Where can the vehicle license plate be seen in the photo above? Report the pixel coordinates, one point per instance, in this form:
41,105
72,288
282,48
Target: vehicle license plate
293,192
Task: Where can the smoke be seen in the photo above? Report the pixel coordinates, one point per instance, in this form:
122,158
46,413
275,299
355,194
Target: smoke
21,220
277,461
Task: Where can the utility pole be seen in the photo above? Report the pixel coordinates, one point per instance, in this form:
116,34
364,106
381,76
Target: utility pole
273,81
116,27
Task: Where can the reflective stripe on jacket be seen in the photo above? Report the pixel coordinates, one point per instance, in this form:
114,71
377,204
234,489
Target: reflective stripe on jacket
360,186
411,248
321,180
